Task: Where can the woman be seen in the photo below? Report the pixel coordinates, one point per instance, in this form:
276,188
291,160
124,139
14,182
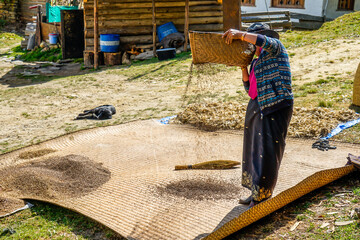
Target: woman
269,110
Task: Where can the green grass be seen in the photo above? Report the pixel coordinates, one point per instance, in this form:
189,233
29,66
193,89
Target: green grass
51,55
9,39
330,92
15,51
326,104
155,70
46,221
346,26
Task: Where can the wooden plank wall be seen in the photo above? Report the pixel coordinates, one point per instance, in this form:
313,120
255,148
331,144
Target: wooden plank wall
133,19
25,13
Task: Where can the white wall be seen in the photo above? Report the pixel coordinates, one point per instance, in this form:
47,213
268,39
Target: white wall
312,7
331,10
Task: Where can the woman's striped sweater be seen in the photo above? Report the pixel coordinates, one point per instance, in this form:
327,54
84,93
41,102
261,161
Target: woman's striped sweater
273,76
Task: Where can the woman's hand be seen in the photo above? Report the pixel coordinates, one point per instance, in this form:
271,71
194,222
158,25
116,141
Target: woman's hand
245,73
231,35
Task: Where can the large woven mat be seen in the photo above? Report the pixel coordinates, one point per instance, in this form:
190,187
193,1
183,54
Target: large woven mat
141,157
209,47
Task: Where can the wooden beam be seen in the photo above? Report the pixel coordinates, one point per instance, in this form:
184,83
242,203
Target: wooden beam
115,23
96,36
154,26
231,14
120,5
240,16
186,25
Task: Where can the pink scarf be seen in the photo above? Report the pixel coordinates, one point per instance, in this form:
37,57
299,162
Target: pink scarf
252,80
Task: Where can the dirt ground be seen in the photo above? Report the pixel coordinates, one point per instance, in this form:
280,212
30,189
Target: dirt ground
35,111
46,109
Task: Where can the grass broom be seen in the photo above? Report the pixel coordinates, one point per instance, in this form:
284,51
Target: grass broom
217,164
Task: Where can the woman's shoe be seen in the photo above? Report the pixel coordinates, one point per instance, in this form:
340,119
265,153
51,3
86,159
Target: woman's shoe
246,200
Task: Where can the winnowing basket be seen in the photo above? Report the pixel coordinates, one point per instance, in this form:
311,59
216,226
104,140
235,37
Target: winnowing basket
209,47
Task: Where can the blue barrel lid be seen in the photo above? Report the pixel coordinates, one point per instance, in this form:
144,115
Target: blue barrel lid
109,34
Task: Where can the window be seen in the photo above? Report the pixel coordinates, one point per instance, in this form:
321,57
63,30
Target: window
247,2
288,3
346,5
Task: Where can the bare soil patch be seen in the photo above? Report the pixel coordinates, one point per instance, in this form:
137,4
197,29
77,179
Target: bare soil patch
40,111
56,177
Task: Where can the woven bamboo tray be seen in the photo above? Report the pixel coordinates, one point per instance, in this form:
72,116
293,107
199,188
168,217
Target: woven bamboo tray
209,47
356,92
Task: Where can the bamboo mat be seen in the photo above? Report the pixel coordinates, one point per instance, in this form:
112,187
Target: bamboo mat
141,157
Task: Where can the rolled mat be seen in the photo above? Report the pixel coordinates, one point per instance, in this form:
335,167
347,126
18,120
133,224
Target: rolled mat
144,198
207,47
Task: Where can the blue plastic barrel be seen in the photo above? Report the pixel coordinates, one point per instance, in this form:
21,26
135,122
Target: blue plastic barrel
109,42
166,29
53,38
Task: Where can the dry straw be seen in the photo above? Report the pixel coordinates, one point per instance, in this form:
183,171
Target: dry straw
209,47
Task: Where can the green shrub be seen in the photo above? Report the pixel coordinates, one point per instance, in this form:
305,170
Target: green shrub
51,55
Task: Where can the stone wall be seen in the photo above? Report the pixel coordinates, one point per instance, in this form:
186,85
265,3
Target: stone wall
9,10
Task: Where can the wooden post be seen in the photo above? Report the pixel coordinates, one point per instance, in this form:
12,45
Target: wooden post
240,16
38,32
111,59
186,27
356,91
96,36
154,26
231,14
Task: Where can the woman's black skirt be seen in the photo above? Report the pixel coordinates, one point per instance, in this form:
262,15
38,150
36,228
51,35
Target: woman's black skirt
264,144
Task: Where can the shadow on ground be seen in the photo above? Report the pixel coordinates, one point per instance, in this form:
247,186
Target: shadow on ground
32,73
24,74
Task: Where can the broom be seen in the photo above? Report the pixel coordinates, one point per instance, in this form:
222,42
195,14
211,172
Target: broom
217,164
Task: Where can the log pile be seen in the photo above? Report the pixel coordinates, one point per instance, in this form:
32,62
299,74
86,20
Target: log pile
133,19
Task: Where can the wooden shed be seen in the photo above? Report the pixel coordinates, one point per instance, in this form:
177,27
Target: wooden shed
15,10
26,14
133,19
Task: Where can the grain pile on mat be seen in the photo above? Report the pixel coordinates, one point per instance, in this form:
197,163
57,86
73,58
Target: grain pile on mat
54,178
305,122
8,205
201,189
